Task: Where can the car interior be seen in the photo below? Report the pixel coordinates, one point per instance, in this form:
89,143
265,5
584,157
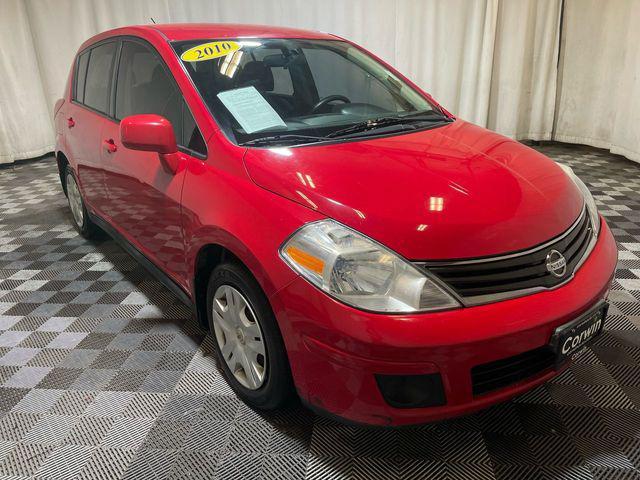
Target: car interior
286,81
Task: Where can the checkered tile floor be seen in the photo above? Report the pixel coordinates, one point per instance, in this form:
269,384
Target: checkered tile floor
104,374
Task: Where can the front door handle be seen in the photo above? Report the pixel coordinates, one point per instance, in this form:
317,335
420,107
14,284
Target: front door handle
71,122
110,145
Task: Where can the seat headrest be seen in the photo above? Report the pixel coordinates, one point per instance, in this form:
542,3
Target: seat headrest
158,75
256,74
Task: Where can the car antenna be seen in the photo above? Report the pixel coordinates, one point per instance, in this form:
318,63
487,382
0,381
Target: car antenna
152,20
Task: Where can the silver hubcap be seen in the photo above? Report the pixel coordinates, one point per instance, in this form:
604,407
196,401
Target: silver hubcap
75,200
239,337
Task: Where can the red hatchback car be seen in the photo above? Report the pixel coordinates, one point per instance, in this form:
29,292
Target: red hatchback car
338,231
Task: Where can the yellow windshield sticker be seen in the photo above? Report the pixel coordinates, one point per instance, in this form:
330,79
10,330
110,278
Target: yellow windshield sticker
208,51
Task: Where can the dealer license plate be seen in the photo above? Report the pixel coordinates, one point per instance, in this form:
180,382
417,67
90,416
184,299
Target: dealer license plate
573,336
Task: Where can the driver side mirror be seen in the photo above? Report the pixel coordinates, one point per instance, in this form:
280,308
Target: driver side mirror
149,133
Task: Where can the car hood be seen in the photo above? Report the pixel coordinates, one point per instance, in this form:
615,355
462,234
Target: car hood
456,191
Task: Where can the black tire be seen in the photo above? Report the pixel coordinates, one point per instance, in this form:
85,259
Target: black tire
277,387
85,227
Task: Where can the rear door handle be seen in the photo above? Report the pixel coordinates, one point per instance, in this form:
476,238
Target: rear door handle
110,145
71,122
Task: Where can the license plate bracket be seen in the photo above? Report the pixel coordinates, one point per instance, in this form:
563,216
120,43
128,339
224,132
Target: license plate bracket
571,337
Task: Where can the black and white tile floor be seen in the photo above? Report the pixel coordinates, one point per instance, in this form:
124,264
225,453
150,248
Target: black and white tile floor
104,374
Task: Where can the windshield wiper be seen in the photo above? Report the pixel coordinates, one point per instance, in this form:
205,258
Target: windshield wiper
289,137
375,123
371,124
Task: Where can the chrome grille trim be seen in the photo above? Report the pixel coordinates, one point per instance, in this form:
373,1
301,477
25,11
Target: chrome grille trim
457,272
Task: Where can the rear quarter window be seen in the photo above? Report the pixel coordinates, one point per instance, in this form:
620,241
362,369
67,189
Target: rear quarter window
80,77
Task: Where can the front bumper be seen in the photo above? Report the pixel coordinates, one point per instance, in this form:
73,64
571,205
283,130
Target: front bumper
335,351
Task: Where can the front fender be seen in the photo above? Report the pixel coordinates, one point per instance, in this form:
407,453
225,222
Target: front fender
224,207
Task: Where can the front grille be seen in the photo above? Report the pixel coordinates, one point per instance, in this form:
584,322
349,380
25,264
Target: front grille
512,273
507,371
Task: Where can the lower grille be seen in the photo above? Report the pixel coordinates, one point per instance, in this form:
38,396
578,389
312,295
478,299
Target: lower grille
507,371
489,279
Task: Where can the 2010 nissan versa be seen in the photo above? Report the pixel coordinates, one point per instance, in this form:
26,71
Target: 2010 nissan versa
341,234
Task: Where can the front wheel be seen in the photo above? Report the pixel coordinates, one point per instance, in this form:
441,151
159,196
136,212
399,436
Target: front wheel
247,339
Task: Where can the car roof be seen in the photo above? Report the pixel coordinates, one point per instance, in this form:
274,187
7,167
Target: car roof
204,31
194,31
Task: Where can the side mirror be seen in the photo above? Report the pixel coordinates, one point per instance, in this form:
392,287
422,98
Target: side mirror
148,132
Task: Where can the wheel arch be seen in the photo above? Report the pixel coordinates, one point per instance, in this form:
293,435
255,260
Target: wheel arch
62,161
207,258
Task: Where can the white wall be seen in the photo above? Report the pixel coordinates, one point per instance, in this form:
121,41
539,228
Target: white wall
599,92
493,62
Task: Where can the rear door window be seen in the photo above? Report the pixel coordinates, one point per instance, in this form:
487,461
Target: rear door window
98,77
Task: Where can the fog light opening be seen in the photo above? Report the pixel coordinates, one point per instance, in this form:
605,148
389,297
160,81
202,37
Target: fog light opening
412,391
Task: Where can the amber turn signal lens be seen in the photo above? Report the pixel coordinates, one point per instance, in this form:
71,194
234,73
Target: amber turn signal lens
305,259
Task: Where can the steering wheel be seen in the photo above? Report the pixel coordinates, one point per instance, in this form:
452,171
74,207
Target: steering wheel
328,99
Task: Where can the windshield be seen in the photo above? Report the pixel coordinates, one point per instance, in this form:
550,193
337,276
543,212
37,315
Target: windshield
297,91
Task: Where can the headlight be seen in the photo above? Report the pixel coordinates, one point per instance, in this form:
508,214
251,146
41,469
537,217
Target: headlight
361,272
592,209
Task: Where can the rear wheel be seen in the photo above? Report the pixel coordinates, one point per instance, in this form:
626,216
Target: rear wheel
81,219
247,339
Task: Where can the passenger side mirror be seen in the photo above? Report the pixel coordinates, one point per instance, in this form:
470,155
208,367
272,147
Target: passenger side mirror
149,133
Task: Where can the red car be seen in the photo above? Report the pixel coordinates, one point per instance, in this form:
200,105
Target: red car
340,233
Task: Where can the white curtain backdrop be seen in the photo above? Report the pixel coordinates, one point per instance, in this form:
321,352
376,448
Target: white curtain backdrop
492,62
523,80
25,120
599,91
